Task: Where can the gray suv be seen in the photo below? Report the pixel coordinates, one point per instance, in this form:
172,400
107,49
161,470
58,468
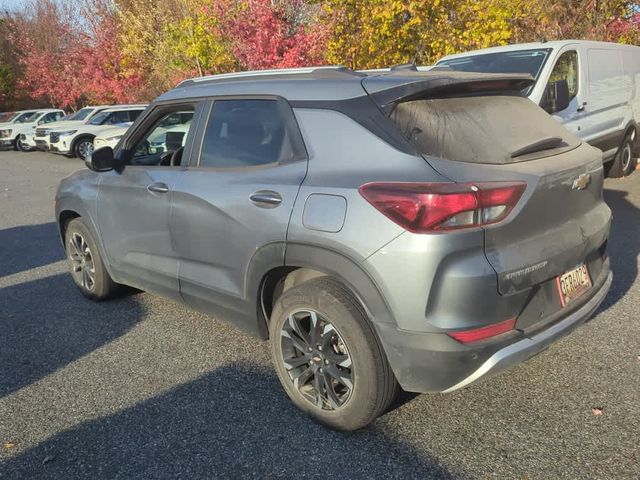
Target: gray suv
393,229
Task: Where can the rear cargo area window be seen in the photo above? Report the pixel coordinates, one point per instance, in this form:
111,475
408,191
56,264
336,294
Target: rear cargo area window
492,129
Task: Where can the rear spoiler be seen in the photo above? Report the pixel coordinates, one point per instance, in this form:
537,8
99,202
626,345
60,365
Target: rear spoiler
404,85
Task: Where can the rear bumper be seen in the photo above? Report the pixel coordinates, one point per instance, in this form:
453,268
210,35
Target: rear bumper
528,347
434,362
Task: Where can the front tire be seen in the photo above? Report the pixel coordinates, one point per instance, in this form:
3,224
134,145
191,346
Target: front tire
327,355
83,148
624,163
19,146
85,263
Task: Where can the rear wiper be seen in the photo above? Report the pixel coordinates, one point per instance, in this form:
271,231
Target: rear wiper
537,146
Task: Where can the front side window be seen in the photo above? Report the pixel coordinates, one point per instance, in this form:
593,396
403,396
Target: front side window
249,133
566,68
99,118
27,117
164,142
50,117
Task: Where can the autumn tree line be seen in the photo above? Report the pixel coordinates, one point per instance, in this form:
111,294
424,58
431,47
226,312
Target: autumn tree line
69,53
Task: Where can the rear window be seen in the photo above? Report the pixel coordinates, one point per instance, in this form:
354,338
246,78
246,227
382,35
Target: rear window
493,129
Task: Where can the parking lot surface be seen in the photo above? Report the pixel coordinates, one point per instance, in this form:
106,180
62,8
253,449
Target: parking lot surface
140,387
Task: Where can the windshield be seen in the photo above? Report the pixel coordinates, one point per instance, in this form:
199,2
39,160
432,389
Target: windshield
26,117
80,114
517,61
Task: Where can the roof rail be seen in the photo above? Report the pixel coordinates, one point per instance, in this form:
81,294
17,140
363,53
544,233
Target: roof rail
261,73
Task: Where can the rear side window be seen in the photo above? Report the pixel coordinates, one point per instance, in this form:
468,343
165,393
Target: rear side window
493,129
250,133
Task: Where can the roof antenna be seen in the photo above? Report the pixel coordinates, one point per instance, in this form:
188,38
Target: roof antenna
543,39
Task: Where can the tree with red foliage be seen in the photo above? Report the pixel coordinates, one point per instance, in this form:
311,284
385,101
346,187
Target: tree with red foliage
99,58
49,48
267,34
69,63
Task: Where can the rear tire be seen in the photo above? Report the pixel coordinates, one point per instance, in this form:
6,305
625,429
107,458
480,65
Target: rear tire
624,163
346,379
85,263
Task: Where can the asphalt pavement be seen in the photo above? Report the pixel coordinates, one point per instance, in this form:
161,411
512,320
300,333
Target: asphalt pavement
141,387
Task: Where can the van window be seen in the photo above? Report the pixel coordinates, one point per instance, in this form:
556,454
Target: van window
566,68
248,133
605,71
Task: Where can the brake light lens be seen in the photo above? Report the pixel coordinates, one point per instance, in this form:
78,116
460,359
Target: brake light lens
482,333
436,207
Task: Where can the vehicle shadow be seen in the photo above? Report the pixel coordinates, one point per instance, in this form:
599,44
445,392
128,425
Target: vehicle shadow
47,324
623,245
29,246
234,422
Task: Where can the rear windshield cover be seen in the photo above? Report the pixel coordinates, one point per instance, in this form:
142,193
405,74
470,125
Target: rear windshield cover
490,129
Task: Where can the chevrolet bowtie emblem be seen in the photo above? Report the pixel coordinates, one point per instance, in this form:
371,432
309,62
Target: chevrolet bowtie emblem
581,182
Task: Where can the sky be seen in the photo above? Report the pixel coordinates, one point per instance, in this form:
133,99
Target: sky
12,5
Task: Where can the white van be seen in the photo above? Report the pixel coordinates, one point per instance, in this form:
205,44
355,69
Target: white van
593,88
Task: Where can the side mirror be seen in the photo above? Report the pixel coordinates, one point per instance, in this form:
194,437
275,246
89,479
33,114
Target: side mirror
101,160
556,96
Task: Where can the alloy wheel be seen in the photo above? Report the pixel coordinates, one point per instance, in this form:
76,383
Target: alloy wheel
82,265
626,157
85,148
317,360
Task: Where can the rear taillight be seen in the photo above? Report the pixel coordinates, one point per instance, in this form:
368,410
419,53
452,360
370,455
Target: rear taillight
435,207
482,333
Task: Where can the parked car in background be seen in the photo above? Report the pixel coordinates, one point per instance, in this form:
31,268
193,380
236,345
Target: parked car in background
109,137
366,224
5,116
171,133
593,88
41,137
77,140
18,133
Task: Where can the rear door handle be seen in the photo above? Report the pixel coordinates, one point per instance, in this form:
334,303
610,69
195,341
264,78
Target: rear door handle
266,198
158,187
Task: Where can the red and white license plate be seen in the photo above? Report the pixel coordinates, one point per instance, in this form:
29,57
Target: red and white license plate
573,284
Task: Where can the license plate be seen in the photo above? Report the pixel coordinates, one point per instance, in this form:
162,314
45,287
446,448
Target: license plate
573,284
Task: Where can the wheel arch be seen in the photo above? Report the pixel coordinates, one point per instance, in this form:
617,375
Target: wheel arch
64,217
304,262
78,138
68,210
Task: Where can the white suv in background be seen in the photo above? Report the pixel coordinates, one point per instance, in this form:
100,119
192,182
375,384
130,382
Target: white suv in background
41,137
18,132
77,141
175,127
110,136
